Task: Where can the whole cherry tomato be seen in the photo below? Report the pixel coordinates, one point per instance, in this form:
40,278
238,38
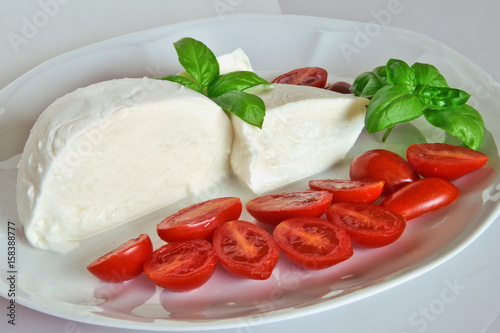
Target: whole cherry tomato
368,225
307,76
421,197
444,160
123,263
381,164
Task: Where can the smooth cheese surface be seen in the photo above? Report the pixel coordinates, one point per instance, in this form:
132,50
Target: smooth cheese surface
305,130
110,152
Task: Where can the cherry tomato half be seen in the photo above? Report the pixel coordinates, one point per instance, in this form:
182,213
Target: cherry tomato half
123,263
307,76
349,190
340,87
182,265
368,225
312,243
274,208
444,160
383,165
422,196
199,220
246,250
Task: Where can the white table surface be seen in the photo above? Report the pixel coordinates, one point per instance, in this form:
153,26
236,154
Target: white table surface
469,27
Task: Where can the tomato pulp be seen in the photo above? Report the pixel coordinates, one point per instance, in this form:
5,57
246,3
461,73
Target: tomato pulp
368,225
123,263
246,250
444,160
182,265
307,76
199,220
313,243
421,197
275,208
384,165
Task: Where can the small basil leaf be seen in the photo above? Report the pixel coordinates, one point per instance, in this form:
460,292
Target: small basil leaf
391,105
198,61
368,83
428,75
463,122
234,81
440,98
399,73
250,108
181,80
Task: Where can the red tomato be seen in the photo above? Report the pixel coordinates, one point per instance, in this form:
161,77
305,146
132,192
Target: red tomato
182,265
123,263
422,196
444,160
368,225
340,87
383,165
246,250
349,190
307,76
274,208
199,220
313,243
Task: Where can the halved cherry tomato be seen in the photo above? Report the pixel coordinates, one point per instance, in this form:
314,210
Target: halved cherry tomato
199,220
246,250
123,263
383,165
182,265
313,243
307,76
349,190
368,225
340,87
274,208
444,160
422,196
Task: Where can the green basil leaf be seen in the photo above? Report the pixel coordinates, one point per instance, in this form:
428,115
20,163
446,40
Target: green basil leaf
391,105
198,61
368,83
250,108
440,98
399,73
181,80
463,122
240,81
428,75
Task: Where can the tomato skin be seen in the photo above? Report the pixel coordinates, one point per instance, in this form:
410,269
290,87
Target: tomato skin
421,197
182,265
444,160
199,220
306,76
274,208
313,243
123,263
350,190
384,165
246,250
368,225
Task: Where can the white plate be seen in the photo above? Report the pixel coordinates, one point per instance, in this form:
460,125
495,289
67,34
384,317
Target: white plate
60,285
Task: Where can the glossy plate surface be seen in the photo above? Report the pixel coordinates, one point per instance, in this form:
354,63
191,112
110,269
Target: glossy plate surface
61,286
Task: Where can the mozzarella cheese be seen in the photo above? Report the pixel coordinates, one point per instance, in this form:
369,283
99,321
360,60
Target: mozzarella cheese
305,130
113,151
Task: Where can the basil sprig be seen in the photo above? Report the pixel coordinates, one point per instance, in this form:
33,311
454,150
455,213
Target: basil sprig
400,93
228,90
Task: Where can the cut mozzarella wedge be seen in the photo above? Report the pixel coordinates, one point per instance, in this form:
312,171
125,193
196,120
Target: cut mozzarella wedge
113,151
306,130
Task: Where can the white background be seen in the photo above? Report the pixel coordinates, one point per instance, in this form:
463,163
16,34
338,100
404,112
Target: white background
32,31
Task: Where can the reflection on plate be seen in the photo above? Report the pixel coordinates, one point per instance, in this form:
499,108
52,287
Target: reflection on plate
65,289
